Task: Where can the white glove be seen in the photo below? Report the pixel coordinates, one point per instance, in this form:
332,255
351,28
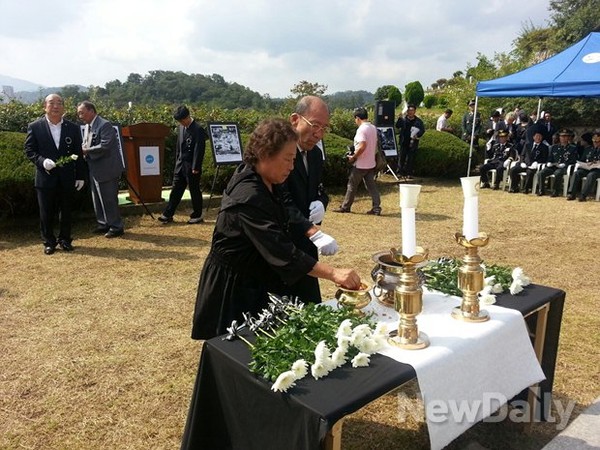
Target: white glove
561,165
317,211
49,164
507,163
79,184
534,165
523,165
326,244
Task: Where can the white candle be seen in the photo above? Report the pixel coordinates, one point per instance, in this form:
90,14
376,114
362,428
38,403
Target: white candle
470,186
409,194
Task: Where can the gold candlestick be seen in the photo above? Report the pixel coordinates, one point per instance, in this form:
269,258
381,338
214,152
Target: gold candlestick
470,280
409,302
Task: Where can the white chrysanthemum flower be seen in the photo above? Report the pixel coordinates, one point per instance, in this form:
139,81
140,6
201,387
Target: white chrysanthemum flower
345,329
487,299
360,360
74,157
344,341
489,281
370,345
516,286
517,273
300,369
319,370
338,357
487,290
322,352
381,329
497,288
363,329
284,381
381,341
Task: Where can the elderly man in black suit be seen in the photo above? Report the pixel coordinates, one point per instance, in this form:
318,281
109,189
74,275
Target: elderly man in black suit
101,151
303,193
53,144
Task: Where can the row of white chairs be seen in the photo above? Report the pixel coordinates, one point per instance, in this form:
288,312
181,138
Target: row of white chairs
506,180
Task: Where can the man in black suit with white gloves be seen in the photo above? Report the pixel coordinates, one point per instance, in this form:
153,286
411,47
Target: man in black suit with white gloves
53,144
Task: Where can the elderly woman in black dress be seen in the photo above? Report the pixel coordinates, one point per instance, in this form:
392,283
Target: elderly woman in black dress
252,251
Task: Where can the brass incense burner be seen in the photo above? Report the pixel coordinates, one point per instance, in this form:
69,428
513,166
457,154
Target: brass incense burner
355,299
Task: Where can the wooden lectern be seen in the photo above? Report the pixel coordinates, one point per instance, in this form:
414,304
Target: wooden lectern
145,152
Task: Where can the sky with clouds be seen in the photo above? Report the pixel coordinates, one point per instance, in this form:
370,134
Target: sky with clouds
266,45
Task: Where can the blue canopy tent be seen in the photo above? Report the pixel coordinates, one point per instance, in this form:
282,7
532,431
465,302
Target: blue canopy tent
574,72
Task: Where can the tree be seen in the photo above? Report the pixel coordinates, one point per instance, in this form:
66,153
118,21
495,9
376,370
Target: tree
306,88
414,93
389,92
573,20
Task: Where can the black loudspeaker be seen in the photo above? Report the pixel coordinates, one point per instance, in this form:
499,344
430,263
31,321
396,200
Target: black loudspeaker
384,113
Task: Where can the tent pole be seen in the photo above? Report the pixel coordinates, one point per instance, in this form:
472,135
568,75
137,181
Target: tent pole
472,136
539,108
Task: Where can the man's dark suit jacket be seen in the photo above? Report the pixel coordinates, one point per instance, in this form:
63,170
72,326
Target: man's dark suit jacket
298,191
40,145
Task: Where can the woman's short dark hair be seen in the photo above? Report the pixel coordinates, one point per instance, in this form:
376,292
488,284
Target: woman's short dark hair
267,139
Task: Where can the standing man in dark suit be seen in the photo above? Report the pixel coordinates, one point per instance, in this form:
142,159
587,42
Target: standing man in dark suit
303,193
53,144
101,151
410,130
548,128
189,154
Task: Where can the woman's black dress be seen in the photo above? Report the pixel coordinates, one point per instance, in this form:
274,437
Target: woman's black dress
251,254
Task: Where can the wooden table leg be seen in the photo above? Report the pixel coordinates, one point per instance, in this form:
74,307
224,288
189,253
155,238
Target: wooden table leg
333,439
538,347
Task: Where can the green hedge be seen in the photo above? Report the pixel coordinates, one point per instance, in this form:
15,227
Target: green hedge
16,176
440,155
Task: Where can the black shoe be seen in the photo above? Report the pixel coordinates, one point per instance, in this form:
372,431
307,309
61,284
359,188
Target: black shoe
66,246
164,219
341,210
485,186
193,220
496,187
570,197
100,229
582,198
513,191
554,194
374,212
48,249
540,193
114,233
527,191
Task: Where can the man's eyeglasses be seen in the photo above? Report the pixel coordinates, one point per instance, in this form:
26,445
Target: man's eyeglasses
315,127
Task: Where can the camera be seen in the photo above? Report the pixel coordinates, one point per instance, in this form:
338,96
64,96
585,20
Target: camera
350,151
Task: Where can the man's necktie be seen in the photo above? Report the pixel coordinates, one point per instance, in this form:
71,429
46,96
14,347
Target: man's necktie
305,160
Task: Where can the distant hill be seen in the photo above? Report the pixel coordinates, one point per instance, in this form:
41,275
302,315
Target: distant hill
18,84
174,87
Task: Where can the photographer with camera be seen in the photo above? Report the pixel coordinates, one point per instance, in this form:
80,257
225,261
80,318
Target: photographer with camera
362,157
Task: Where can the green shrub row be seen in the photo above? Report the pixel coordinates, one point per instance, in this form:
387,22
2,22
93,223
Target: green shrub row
440,155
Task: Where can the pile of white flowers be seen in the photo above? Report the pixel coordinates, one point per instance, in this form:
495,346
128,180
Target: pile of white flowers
360,341
488,294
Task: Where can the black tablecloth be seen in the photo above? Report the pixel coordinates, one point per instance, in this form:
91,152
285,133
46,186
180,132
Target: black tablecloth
231,408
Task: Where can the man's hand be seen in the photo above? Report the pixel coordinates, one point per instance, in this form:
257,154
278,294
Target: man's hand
49,164
326,244
79,184
317,212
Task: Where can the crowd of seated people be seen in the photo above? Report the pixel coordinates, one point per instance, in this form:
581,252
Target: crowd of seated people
529,154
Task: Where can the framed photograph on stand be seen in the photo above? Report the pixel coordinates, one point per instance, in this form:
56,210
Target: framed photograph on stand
387,139
226,142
